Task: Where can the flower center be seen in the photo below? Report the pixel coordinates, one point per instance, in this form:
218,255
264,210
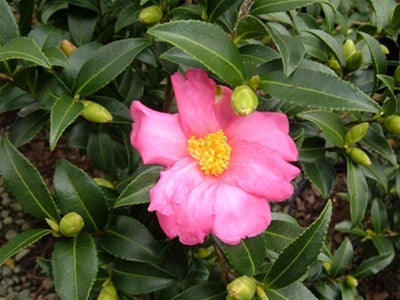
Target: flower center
212,152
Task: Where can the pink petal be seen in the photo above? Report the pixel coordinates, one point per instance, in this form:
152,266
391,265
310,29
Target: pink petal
157,136
195,97
239,215
260,171
269,129
222,106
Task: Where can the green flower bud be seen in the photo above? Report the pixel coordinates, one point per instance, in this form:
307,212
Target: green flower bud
108,292
348,48
384,49
334,64
67,47
356,133
104,182
396,76
71,224
355,60
95,112
358,156
261,293
202,253
253,82
392,124
242,288
150,15
327,265
351,281
243,100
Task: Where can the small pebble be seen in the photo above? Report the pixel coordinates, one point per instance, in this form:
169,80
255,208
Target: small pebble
52,296
10,296
47,284
5,271
24,294
4,213
21,254
3,290
7,221
19,221
25,226
16,207
10,234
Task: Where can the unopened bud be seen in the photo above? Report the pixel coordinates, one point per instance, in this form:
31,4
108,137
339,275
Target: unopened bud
95,112
243,100
334,64
104,182
242,288
348,48
392,124
351,281
358,156
253,82
108,292
327,265
356,133
150,15
71,224
67,47
384,49
396,76
202,253
355,60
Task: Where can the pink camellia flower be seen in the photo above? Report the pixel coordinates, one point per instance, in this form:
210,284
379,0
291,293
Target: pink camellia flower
220,168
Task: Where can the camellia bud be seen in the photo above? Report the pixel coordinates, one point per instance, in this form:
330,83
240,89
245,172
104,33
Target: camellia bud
243,100
396,76
104,182
327,265
253,82
71,224
355,60
95,112
108,292
67,47
358,156
150,15
334,64
202,253
392,124
242,288
351,281
384,49
348,48
356,133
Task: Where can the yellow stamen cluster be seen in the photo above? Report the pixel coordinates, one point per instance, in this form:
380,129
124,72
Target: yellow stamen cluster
212,152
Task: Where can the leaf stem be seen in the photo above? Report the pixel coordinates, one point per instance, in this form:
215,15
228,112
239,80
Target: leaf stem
243,11
221,262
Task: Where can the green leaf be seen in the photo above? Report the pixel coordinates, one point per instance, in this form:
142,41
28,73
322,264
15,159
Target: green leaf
298,291
207,43
106,63
395,21
25,183
390,106
74,264
247,257
269,6
379,217
376,172
312,149
290,48
26,49
322,174
127,16
330,124
382,10
249,27
358,192
294,260
46,35
64,111
177,56
208,290
332,44
373,265
81,24
137,191
128,239
378,143
281,233
8,25
56,57
20,242
316,89
135,278
342,258
76,192
12,97
254,55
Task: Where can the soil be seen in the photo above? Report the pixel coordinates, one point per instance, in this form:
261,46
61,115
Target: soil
305,208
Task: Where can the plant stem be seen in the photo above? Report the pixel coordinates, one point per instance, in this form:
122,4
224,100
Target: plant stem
243,11
221,262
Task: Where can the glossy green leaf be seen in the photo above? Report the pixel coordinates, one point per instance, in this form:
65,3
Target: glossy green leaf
56,57
177,56
376,172
342,258
137,191
74,265
249,27
25,183
64,111
330,124
358,192
395,20
378,143
81,24
25,9
20,242
127,16
135,278
294,260
46,35
373,265
76,192
382,10
128,239
254,55
280,234
247,257
208,290
207,43
290,48
379,217
298,291
322,174
216,8
8,25
316,89
312,149
390,106
269,6
106,63
24,130
26,49
12,97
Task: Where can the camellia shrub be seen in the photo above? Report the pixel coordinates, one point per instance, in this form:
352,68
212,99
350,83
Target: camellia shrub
201,115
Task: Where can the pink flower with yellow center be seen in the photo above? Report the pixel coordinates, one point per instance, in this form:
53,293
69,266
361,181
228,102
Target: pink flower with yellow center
221,169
